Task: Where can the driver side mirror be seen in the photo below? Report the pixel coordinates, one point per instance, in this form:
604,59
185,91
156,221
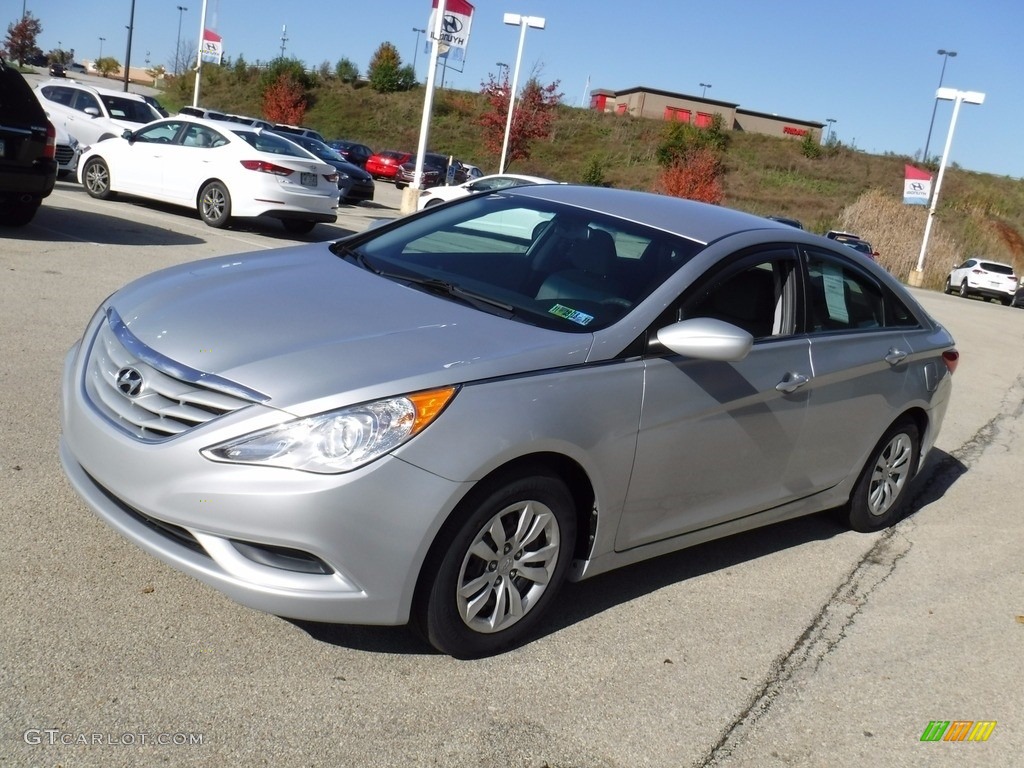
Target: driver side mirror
92,111
128,135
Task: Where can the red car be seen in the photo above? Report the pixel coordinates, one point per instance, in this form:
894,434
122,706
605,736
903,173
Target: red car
385,164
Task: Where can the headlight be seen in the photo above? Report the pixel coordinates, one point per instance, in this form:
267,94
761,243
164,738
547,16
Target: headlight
337,441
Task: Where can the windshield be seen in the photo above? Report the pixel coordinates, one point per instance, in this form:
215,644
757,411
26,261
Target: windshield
534,261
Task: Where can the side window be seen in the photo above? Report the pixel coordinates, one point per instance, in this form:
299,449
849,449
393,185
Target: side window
84,101
163,133
756,294
841,298
59,95
200,136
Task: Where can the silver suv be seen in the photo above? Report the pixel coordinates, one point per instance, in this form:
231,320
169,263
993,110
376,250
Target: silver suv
92,114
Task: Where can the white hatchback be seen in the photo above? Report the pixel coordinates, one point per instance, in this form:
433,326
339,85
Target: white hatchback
221,171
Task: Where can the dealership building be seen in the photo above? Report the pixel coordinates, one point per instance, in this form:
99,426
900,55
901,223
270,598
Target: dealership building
699,111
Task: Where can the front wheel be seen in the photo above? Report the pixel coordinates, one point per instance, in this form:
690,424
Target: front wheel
948,287
96,178
215,205
881,490
493,572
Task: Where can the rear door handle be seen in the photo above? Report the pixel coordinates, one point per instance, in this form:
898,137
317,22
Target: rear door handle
896,356
792,382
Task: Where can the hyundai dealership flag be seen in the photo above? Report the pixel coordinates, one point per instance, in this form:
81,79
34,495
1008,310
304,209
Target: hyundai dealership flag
917,186
212,49
458,15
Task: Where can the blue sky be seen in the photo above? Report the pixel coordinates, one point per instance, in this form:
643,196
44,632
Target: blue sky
871,65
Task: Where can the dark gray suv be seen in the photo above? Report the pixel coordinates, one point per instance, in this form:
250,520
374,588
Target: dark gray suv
28,168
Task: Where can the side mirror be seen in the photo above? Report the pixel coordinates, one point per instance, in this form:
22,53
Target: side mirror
92,111
705,338
128,135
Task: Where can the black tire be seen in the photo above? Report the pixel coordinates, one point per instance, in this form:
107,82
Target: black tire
215,205
19,215
298,226
948,287
96,179
964,291
881,490
535,520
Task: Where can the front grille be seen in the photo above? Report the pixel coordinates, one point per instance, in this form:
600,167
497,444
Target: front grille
64,154
169,401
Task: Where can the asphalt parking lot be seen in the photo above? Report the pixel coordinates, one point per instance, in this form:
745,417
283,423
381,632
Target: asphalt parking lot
803,644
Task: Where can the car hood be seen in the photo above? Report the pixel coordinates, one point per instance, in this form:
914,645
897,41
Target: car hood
312,331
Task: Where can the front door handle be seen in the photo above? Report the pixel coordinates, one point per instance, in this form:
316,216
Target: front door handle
792,382
896,356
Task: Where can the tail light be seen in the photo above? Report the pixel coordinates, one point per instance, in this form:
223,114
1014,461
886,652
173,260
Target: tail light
50,152
951,357
331,178
264,167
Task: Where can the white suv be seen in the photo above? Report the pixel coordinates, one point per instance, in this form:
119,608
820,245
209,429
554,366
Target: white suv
988,279
91,114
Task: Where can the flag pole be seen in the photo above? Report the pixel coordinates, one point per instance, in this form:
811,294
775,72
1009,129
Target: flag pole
199,55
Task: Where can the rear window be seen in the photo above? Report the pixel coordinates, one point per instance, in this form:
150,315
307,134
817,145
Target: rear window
275,145
16,98
999,269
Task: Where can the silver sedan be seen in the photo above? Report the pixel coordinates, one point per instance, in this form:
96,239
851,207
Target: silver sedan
439,420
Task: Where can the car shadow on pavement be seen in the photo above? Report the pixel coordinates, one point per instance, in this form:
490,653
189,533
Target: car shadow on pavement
55,224
583,600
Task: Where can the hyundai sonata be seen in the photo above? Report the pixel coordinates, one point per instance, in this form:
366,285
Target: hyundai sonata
438,420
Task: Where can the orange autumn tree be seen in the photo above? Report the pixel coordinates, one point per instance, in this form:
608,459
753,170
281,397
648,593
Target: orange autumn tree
532,118
284,101
696,176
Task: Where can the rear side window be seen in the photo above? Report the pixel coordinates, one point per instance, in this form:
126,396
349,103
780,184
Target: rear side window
841,298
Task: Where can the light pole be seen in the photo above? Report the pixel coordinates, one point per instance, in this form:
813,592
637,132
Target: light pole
501,65
177,46
128,51
957,97
828,133
946,55
102,39
416,50
516,20
705,87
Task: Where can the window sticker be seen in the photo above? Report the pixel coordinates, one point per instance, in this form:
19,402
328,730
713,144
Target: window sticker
572,315
835,294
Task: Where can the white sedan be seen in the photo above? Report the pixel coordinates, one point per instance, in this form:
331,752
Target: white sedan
438,195
219,171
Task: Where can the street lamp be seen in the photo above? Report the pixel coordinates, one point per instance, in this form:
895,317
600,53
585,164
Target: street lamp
705,86
416,50
177,46
500,65
946,55
957,97
828,133
101,47
516,20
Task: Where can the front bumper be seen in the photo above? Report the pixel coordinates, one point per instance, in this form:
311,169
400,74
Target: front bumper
336,548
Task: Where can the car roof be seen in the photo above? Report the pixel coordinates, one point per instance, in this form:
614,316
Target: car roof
99,90
687,218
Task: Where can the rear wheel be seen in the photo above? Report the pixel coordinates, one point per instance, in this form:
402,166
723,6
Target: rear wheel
96,178
493,573
298,226
879,495
215,205
964,292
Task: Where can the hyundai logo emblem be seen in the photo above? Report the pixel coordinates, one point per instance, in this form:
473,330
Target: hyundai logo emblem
452,25
129,382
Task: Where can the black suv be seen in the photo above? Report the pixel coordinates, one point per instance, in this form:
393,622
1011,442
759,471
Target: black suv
28,167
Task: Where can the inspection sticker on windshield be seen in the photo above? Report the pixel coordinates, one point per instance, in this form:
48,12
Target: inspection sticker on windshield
572,315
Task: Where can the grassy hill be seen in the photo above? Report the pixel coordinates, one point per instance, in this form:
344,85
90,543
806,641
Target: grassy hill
844,188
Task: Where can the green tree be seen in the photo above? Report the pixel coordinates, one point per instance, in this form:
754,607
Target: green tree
107,66
346,71
284,66
810,146
21,38
385,71
680,140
